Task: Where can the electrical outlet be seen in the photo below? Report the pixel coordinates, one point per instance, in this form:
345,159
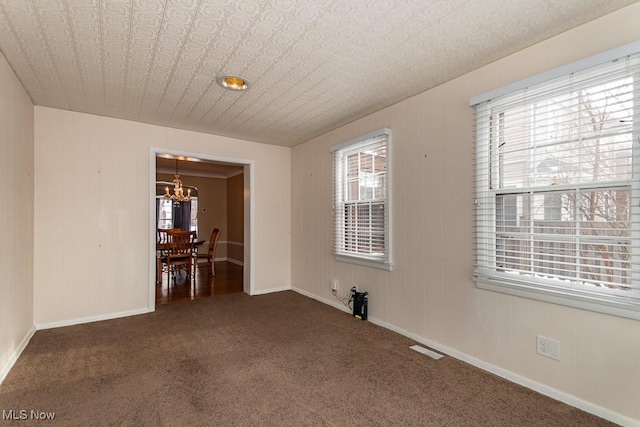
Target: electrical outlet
548,347
334,285
353,291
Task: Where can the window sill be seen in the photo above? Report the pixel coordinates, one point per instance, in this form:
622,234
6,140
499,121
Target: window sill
599,304
364,262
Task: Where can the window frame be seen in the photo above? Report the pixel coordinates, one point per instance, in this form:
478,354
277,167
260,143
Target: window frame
340,153
486,276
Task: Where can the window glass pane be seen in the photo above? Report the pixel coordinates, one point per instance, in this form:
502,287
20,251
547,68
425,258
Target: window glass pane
605,265
553,236
606,212
509,212
365,227
582,136
165,217
553,212
194,214
353,177
366,176
554,259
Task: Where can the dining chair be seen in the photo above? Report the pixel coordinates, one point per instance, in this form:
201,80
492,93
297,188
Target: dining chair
162,247
162,234
180,254
210,256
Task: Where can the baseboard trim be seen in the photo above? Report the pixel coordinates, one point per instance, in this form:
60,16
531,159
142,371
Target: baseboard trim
334,304
90,319
561,396
271,290
13,358
231,260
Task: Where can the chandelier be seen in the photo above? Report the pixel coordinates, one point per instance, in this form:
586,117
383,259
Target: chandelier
178,193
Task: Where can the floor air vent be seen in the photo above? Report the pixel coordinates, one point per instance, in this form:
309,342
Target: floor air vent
431,354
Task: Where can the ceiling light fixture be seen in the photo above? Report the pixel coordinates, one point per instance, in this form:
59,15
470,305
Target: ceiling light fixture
178,193
234,83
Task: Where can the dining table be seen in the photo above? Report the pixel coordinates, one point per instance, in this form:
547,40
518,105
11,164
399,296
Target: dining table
164,246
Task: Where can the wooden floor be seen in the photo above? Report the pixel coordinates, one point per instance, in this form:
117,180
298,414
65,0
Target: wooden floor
228,280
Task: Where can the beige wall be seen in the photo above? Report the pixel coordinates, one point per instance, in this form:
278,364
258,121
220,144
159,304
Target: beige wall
235,218
16,217
92,203
430,293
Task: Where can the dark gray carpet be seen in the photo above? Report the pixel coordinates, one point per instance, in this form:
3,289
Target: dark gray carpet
273,360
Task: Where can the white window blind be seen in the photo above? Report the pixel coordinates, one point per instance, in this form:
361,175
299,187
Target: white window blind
361,200
557,194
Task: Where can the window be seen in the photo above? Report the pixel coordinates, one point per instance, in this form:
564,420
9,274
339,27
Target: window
170,214
557,189
361,200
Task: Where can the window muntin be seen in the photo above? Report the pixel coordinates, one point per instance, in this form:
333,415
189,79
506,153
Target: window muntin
557,196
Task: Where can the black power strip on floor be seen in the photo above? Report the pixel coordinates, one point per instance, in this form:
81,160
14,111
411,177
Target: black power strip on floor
360,302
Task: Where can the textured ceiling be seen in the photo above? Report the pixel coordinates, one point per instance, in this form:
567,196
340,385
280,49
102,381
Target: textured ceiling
314,64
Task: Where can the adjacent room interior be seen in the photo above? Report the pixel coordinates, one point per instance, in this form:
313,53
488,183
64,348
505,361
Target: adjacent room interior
214,212
469,168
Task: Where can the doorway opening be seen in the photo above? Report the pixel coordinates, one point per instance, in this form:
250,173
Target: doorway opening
221,197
